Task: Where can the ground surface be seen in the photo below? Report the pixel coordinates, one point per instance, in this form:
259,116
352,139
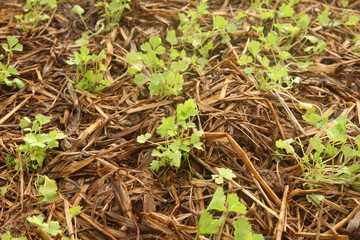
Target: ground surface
101,167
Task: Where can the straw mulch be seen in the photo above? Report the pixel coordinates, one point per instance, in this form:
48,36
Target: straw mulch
101,167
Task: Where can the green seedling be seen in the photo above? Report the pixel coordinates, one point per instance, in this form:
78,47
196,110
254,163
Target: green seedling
33,152
163,80
35,15
275,52
178,140
6,71
225,204
89,68
53,227
7,236
332,160
224,173
113,12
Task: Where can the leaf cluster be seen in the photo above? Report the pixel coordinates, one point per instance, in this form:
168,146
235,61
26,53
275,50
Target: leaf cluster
35,13
226,204
163,78
113,12
6,71
178,141
33,152
89,68
333,159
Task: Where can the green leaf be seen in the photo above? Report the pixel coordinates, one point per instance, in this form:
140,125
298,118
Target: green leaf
19,83
303,21
316,143
167,127
219,22
240,15
78,9
186,110
37,220
139,79
171,37
42,119
6,236
353,20
286,145
48,190
254,47
53,228
218,200
323,18
75,210
12,41
208,225
286,11
134,59
155,41
315,199
180,66
234,205
283,55
223,173
245,59
143,138
242,229
25,122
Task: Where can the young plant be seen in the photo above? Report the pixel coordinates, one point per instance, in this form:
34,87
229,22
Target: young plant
33,152
275,52
89,70
113,12
53,227
333,159
196,38
6,71
164,79
178,140
225,204
35,13
7,236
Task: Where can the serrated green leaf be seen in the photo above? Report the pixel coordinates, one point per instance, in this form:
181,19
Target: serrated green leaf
186,110
25,122
234,204
218,200
245,59
219,22
75,210
254,47
208,225
242,229
143,138
323,18
286,145
42,119
286,10
53,228
37,220
226,173
303,21
167,127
